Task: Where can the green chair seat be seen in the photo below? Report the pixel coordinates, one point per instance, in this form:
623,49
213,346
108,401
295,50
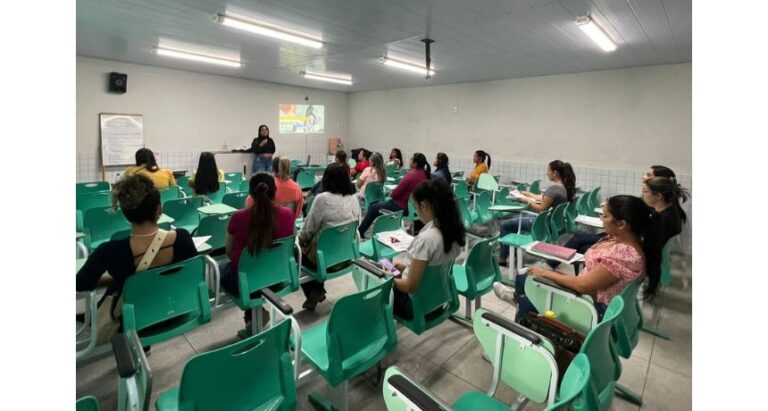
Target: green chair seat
315,346
516,240
476,276
475,400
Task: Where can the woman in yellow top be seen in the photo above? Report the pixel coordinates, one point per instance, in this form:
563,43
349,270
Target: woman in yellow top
147,165
479,159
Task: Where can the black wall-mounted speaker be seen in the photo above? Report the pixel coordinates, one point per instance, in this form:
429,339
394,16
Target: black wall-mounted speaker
118,82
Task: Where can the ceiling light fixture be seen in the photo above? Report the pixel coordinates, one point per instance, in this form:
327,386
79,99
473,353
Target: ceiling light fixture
405,65
202,58
347,81
596,33
268,30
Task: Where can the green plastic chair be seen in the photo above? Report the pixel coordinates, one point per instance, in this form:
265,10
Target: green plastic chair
235,179
502,197
245,185
483,201
351,163
218,196
305,180
89,403
557,224
467,218
184,212
167,301
604,363
274,267
336,248
372,248
412,216
666,264
522,187
570,215
539,232
434,301
93,199
578,311
100,223
169,193
487,182
358,334
460,189
216,227
458,174
536,187
390,169
90,187
476,276
593,201
236,199
253,374
575,383
397,398
626,333
582,206
374,192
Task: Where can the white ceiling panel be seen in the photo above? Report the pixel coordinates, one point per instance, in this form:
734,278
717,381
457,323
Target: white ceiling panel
474,40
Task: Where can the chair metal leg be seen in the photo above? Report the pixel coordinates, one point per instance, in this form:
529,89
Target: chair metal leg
478,302
629,395
655,331
256,319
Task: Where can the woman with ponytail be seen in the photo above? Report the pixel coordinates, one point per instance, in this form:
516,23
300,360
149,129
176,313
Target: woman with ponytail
481,158
624,255
420,171
664,196
563,190
254,229
438,243
441,168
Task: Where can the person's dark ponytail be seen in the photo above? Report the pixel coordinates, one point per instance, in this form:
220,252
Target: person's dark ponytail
567,175
443,202
422,164
671,191
483,157
263,215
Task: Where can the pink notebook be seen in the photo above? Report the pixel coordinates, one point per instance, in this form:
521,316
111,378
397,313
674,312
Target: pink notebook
553,250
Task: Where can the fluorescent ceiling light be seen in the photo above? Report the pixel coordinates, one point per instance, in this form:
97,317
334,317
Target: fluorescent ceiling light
269,30
202,58
405,65
596,33
347,81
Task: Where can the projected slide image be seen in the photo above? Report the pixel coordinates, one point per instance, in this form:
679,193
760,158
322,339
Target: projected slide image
301,118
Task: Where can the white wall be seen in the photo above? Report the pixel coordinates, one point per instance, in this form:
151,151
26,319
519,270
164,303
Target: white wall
626,118
196,112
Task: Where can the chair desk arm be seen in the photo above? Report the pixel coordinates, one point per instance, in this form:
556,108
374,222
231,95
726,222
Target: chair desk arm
370,266
127,363
553,284
276,301
414,394
515,328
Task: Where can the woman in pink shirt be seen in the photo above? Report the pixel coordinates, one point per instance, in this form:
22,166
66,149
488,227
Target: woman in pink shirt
623,256
254,228
420,171
376,172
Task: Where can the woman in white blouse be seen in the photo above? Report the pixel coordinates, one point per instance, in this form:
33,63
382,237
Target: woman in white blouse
438,243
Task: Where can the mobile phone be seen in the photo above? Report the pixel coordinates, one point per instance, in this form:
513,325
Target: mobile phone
390,267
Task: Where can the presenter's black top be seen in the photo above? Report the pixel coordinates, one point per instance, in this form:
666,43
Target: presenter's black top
257,149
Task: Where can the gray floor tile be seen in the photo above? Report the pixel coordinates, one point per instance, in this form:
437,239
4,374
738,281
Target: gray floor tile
469,365
221,331
447,386
442,342
667,390
644,346
633,374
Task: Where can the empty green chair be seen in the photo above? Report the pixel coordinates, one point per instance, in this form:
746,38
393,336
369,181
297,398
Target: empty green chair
593,201
604,364
90,187
89,403
539,232
100,223
169,193
460,189
93,199
571,395
578,311
570,215
253,374
358,334
374,192
557,224
502,197
373,248
234,180
273,267
465,213
482,203
536,187
401,393
390,169
167,301
235,200
476,276
626,333
216,227
336,249
582,205
295,164
218,196
522,187
434,301
134,384
245,185
184,212
305,180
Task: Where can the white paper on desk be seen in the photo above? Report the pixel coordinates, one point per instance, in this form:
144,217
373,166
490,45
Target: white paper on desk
516,194
397,240
588,220
200,240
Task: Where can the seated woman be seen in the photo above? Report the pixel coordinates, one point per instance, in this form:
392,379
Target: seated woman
480,159
395,158
288,191
147,165
625,255
340,160
254,228
363,161
208,176
113,262
335,206
664,196
376,172
562,190
441,168
438,243
420,171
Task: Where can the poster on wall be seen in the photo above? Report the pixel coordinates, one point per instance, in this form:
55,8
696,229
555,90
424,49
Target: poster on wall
121,136
301,118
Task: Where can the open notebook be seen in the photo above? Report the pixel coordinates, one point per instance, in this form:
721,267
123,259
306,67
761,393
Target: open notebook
397,240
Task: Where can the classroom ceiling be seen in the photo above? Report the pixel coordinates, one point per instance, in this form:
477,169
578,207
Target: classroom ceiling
475,40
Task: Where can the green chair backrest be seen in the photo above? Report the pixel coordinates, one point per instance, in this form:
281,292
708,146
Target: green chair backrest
270,267
576,311
235,179
570,215
90,187
536,187
309,205
374,192
594,199
245,186
184,212
464,213
435,299
216,227
575,381
626,331
336,245
361,332
255,373
93,199
182,181
384,222
458,174
235,200
175,295
487,182
522,187
412,216
89,403
169,193
540,228
218,196
666,264
582,206
390,169
100,223
305,180
481,267
501,197
351,163
557,222
460,189
289,204
395,402
482,202
603,361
